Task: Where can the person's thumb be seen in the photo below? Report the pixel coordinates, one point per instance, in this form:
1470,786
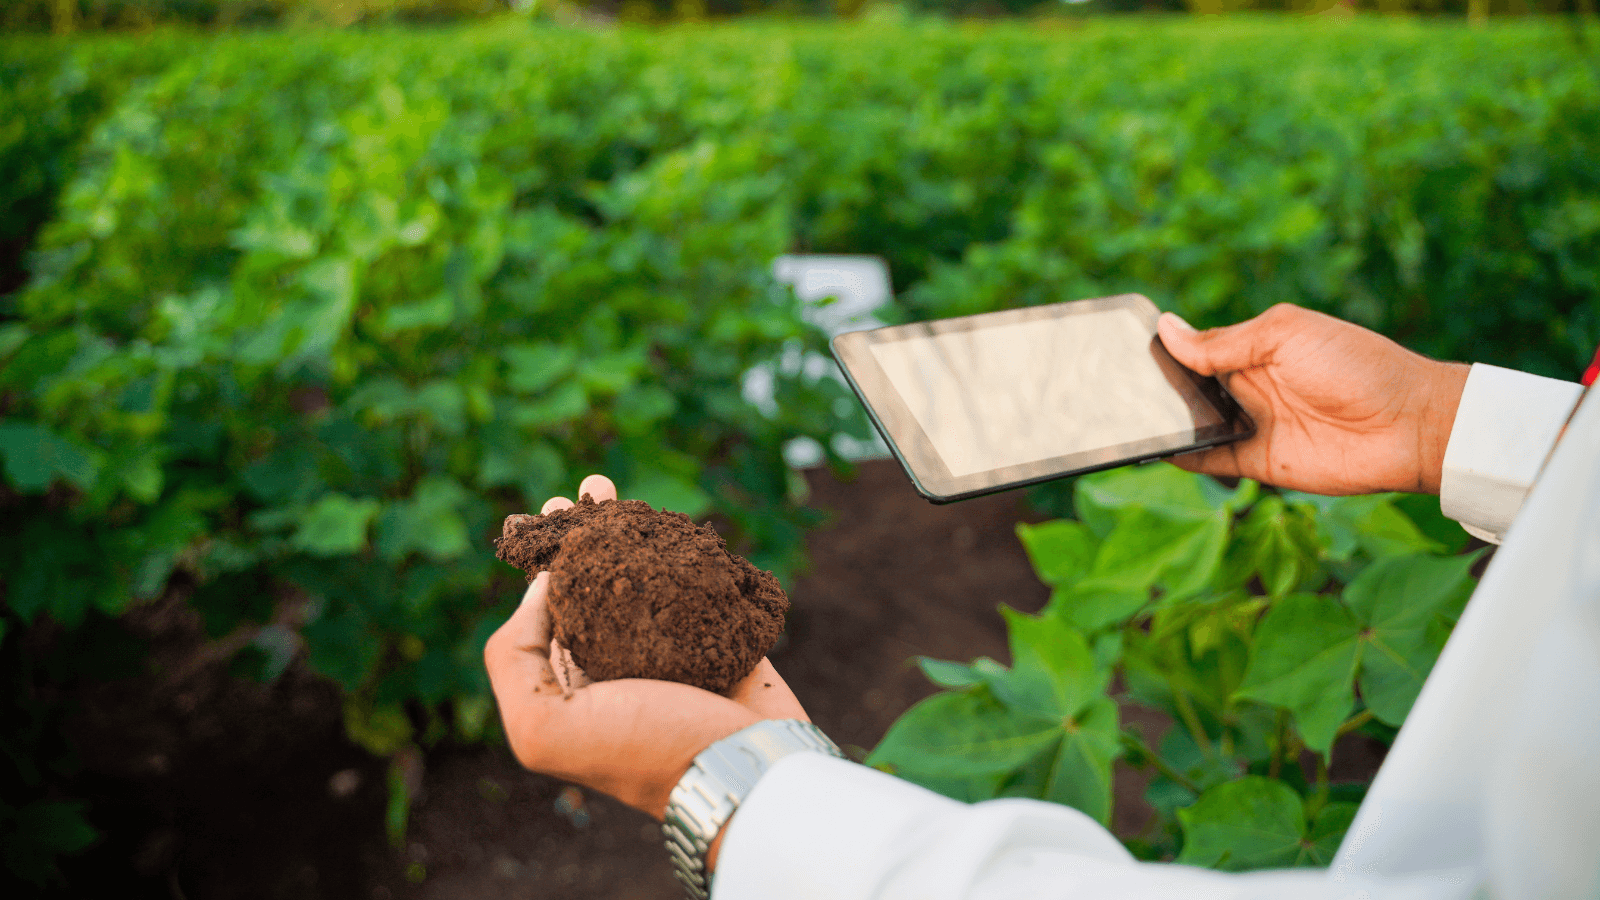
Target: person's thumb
1209,352
517,655
530,624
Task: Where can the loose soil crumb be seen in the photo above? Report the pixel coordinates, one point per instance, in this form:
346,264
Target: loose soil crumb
641,593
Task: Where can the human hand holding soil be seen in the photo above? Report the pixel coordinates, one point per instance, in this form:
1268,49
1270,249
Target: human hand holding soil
1338,409
632,738
641,593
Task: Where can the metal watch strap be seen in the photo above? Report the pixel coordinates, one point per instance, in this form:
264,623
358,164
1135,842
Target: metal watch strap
718,781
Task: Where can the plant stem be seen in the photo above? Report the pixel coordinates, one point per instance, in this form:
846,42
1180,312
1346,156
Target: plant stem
1281,744
1320,798
1191,721
1354,722
1133,739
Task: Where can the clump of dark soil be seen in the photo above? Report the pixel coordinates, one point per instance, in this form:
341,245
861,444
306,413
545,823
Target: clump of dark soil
641,593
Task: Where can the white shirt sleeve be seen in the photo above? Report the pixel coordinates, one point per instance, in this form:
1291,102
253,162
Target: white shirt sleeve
1504,429
819,828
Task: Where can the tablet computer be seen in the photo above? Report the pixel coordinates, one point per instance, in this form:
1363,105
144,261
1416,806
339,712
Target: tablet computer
985,403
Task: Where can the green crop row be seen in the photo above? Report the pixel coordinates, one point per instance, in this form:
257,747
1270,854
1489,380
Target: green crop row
51,93
312,311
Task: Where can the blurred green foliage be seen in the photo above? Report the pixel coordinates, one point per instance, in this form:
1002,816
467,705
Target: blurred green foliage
310,311
52,93
68,16
1365,176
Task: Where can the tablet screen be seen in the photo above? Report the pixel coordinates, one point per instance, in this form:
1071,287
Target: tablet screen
1029,391
971,404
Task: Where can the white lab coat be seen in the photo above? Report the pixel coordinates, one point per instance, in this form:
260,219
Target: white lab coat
1492,789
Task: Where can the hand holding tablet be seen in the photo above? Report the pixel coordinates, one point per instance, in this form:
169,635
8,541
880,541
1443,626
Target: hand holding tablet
985,403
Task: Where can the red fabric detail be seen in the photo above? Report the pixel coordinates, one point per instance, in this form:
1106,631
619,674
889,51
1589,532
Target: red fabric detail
1593,371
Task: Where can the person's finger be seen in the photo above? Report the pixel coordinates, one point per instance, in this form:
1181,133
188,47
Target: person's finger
1222,462
1181,340
1245,345
555,503
598,487
765,693
517,654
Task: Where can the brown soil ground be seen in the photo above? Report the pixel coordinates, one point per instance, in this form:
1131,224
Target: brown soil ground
209,788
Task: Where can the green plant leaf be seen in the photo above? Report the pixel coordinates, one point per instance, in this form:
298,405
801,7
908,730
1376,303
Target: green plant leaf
474,716
1278,543
1081,774
1306,651
610,373
963,735
1367,522
342,645
1424,512
663,490
1252,823
1203,766
970,789
1094,603
948,674
1327,833
1060,550
1394,667
1166,797
567,401
641,407
1410,591
444,403
35,456
1405,604
1179,552
335,525
1163,490
1386,531
286,475
1053,673
38,833
530,368
435,312
509,457
429,522
149,552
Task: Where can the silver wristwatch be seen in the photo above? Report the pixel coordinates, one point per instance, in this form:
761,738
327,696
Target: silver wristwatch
718,781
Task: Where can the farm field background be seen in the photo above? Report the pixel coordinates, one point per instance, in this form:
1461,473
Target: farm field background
295,318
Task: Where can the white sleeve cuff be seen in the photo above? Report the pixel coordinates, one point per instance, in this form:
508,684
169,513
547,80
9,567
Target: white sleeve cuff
1505,426
815,827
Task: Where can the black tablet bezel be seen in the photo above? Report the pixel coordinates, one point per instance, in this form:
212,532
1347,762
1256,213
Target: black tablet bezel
911,446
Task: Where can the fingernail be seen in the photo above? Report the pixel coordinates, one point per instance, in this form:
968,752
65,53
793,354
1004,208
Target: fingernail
1178,322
